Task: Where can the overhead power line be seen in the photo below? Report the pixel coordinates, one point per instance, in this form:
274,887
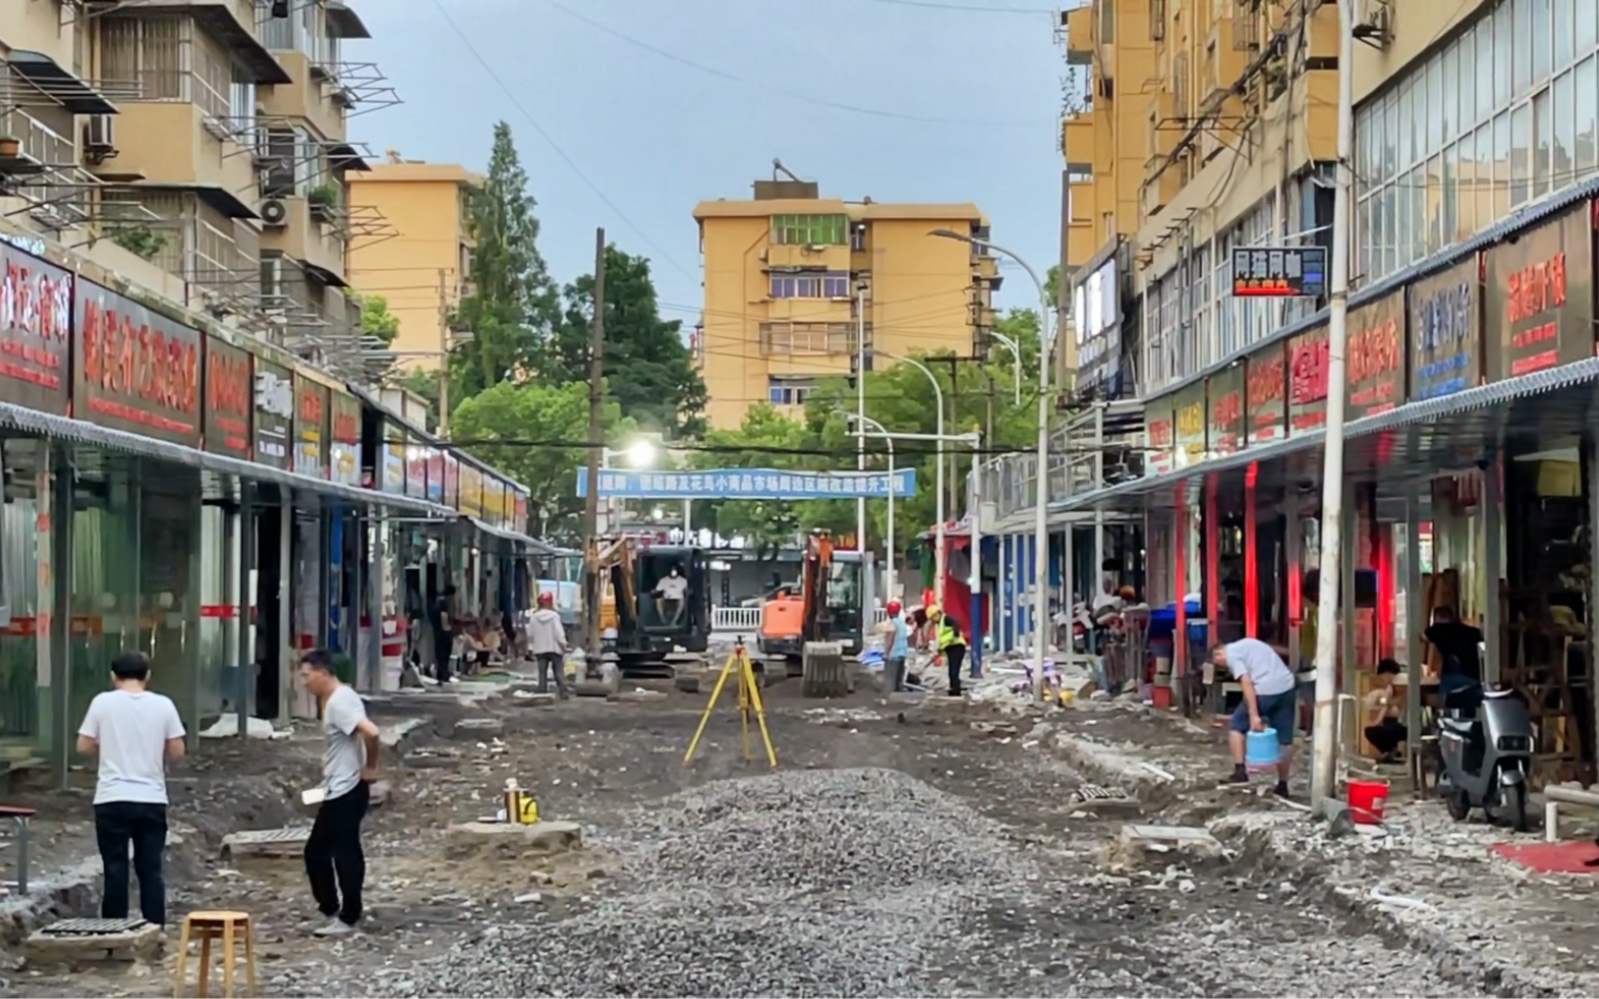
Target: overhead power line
969,7
550,140
790,94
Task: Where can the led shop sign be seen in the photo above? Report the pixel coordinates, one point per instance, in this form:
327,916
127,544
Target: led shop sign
1286,272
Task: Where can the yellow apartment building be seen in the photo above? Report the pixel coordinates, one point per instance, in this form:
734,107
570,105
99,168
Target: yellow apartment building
200,149
1209,125
790,277
423,269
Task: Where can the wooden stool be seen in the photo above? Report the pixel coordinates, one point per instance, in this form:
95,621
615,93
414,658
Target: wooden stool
209,926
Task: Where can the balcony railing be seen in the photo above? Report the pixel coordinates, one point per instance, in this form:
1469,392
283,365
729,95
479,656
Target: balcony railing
59,195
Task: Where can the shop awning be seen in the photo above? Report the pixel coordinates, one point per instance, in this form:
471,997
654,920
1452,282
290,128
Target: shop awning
32,421
534,545
1448,433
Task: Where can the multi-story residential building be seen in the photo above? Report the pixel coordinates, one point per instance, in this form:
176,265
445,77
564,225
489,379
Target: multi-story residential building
195,465
423,271
788,272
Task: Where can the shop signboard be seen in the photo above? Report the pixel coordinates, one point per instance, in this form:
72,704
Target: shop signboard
1446,332
435,481
310,427
393,452
1377,355
471,497
451,495
417,468
344,447
493,500
274,414
1228,430
1307,381
1266,394
519,513
1280,272
137,370
35,332
1188,418
1160,456
1540,298
229,399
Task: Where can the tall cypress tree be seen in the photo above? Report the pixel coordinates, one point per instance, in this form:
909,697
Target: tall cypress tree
515,304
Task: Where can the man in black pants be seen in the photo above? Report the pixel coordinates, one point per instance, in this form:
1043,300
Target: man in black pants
952,646
442,617
333,858
134,730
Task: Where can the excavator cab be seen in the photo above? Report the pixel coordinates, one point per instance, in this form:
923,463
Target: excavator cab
651,609
825,606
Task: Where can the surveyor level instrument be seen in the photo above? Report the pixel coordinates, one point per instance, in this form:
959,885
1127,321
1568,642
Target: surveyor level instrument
749,703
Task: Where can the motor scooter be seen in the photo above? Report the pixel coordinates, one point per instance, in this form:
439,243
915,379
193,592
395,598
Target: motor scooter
1487,759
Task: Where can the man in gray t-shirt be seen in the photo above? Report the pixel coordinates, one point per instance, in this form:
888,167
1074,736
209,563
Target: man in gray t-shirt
333,858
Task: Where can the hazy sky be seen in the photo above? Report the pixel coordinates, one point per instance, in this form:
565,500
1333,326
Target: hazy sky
652,134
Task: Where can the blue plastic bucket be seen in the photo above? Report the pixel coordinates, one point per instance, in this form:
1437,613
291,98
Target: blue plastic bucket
1261,751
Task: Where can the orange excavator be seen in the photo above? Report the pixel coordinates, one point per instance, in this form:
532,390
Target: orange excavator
824,607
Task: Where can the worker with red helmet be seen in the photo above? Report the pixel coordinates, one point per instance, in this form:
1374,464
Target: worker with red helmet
896,638
546,639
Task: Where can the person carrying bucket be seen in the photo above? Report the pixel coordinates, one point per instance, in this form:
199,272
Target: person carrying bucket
1269,702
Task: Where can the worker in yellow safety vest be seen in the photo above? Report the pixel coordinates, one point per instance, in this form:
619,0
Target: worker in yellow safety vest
951,645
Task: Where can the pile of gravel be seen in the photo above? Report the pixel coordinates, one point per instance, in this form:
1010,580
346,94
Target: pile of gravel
806,883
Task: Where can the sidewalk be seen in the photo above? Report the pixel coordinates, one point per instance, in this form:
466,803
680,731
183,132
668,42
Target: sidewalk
1436,881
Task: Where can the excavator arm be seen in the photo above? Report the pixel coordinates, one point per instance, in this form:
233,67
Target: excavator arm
817,616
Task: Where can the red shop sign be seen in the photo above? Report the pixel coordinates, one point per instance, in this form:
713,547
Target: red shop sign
1266,394
1377,356
137,370
229,399
35,326
1308,359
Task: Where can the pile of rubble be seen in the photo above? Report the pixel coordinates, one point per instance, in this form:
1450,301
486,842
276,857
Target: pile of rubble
805,883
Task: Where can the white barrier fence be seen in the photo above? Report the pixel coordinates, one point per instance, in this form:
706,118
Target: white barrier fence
748,619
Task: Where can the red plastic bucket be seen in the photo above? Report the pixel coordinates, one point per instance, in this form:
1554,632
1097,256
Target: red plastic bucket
1366,801
1162,695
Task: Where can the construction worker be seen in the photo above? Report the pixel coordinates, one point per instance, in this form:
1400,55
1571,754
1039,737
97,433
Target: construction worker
897,639
951,645
546,639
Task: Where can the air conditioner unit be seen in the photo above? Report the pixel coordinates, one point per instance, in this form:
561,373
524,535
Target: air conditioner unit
1374,22
274,212
99,138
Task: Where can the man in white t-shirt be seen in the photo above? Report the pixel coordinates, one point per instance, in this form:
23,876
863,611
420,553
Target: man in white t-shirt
334,860
672,593
1271,698
134,731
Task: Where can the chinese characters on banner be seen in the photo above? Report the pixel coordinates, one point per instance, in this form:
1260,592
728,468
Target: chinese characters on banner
1307,380
35,324
1376,366
229,399
750,483
1445,333
1540,297
137,370
1228,432
274,414
1266,394
1284,272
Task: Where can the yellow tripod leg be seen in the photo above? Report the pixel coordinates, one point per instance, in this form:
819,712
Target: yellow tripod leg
760,712
744,692
710,708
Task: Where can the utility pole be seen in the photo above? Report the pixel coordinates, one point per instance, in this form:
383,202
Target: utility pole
592,584
860,412
1324,771
444,353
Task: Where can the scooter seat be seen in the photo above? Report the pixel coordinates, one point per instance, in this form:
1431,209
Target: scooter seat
1460,726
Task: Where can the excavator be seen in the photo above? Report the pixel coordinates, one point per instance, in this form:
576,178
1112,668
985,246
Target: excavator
647,630
825,606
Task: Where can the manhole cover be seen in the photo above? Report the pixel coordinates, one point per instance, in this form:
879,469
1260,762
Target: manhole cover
288,835
92,927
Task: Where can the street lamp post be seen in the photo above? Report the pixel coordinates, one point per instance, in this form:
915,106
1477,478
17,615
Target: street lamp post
939,556
867,421
640,453
1041,521
1016,360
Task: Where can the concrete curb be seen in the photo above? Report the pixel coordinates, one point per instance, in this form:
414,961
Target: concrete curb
1256,845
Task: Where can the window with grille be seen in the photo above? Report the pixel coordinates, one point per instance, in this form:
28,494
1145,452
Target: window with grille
810,230
789,391
819,284
807,338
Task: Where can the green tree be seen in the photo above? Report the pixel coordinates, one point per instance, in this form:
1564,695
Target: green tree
646,359
526,416
377,320
1052,283
514,305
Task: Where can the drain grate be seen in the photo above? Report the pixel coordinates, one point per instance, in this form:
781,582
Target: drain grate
291,834
1093,792
92,927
